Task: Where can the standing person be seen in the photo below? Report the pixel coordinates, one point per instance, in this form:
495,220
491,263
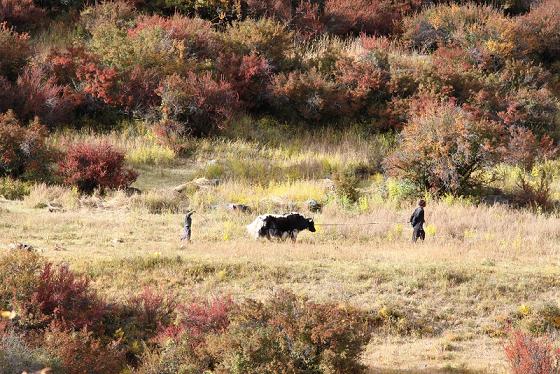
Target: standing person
187,228
417,221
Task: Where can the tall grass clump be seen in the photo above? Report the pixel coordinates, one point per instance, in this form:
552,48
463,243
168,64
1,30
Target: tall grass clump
14,189
42,195
154,154
160,201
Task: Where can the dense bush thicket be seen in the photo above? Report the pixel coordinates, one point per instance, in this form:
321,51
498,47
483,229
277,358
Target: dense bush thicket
55,319
191,67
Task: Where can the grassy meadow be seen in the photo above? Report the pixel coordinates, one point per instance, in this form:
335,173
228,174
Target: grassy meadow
445,305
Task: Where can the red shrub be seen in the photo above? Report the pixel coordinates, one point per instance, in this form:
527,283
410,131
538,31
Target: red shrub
201,104
99,82
537,32
200,319
91,166
21,13
138,89
63,297
308,95
248,75
457,69
277,9
14,51
171,134
308,21
527,355
211,316
153,310
80,352
40,96
132,89
23,152
364,83
534,109
377,17
6,95
63,64
524,149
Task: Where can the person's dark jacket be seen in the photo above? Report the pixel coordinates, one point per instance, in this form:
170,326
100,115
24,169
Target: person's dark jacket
188,219
417,218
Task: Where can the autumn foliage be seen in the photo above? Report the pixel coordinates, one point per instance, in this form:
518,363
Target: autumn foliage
23,150
58,311
443,148
192,68
527,354
91,166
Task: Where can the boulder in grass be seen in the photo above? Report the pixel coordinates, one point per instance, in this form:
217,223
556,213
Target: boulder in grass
21,247
205,182
313,206
242,208
54,207
130,191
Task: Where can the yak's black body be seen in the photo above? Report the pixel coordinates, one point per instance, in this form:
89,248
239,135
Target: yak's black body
282,227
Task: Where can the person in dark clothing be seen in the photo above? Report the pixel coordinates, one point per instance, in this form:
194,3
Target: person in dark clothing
417,222
187,228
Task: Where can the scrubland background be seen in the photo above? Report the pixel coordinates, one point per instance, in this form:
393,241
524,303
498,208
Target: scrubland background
117,117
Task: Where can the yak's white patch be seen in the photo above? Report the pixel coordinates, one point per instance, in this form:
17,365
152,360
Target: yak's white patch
254,227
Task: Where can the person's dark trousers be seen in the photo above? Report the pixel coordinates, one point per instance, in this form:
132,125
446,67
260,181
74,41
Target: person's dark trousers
186,234
418,233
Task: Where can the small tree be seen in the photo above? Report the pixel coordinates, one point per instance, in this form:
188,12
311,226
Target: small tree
95,166
443,148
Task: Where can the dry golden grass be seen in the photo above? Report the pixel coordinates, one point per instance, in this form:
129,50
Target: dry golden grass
450,293
443,303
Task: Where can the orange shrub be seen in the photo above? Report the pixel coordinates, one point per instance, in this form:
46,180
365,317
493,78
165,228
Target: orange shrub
466,26
197,36
442,147
265,37
291,334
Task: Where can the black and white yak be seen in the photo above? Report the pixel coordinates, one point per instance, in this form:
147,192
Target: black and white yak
280,226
